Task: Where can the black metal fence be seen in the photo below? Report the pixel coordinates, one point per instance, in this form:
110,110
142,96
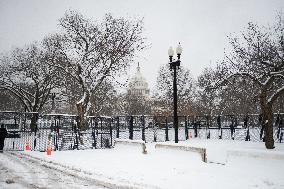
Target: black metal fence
61,132
58,131
160,128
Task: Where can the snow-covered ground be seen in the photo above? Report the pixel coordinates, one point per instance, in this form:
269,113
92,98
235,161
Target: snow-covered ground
18,172
231,164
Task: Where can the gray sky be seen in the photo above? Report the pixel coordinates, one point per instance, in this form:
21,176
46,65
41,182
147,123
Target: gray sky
200,25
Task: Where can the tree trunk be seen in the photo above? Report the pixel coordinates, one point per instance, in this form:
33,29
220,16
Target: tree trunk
34,120
268,129
34,117
266,109
82,106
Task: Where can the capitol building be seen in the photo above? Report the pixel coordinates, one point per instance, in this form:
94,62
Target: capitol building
138,85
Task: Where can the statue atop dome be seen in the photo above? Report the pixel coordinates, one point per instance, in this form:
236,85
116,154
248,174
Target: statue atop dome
138,68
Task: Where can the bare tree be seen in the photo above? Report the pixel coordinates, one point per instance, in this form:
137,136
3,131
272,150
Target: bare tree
27,75
258,55
239,98
185,86
89,52
9,102
207,101
104,101
137,104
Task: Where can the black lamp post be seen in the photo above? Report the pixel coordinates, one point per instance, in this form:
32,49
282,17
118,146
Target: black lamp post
173,66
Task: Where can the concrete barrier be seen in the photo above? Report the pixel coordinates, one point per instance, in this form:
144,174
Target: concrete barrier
201,151
135,143
256,154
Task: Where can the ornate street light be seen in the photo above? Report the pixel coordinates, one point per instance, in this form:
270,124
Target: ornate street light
173,66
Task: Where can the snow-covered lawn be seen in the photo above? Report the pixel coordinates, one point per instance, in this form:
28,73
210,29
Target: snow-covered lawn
231,164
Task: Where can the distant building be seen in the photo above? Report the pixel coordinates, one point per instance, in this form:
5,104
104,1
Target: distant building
138,85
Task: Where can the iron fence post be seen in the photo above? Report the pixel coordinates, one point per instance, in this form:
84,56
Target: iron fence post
117,127
220,133
131,128
94,126
101,128
208,135
185,128
110,131
219,126
77,132
167,130
195,127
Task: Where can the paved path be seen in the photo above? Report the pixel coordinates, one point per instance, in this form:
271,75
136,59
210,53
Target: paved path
19,172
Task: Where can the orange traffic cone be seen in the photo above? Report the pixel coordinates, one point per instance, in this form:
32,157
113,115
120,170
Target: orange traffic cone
28,146
48,151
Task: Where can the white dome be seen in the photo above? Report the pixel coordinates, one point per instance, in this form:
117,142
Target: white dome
138,84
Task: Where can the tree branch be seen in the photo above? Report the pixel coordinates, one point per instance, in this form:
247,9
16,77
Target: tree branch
252,78
277,94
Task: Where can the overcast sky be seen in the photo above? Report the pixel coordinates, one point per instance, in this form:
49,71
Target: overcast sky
201,26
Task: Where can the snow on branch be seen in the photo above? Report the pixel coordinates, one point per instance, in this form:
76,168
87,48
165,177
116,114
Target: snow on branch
25,100
241,74
74,76
276,73
278,93
272,78
81,101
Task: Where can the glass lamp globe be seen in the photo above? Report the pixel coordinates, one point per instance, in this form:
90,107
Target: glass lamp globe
179,49
171,51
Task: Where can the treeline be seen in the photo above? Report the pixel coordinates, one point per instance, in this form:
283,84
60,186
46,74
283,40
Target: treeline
80,63
79,67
